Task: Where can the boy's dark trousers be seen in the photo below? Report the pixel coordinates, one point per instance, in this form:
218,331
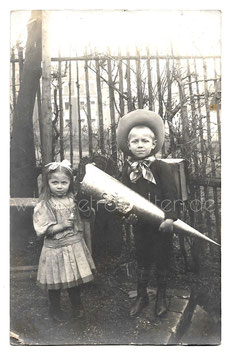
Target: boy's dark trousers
151,246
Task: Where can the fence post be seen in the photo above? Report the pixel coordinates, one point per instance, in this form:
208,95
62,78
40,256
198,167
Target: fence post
21,61
46,108
13,79
61,108
100,106
120,71
159,94
112,111
150,85
217,106
78,110
39,109
70,111
203,155
139,80
169,108
88,113
128,79
194,128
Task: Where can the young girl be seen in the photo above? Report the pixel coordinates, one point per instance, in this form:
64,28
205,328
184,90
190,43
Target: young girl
65,260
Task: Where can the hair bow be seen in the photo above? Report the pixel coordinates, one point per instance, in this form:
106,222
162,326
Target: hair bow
54,165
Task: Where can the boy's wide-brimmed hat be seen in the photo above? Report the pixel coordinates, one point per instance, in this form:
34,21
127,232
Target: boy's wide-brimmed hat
140,117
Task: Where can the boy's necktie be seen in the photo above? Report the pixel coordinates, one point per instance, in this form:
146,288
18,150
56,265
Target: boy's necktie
141,168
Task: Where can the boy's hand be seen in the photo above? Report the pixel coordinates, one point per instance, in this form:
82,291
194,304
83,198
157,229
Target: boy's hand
166,226
131,219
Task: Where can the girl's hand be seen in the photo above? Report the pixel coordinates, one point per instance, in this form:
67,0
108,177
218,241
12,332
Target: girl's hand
166,226
68,224
57,228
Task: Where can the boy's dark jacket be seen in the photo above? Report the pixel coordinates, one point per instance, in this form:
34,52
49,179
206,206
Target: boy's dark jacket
163,193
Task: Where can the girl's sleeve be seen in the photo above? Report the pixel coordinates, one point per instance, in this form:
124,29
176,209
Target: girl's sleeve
43,218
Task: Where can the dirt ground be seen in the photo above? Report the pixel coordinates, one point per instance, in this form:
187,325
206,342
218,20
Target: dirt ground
107,302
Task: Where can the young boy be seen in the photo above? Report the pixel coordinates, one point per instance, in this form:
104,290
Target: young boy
140,136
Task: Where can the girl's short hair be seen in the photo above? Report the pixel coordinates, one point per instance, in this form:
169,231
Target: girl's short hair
45,190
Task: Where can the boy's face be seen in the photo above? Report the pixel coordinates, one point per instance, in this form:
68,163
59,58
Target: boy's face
141,141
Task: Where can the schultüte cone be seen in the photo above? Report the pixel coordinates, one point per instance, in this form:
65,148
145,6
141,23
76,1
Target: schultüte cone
100,186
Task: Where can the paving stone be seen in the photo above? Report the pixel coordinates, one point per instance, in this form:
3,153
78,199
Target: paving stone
172,321
177,304
202,331
179,293
156,327
160,336
162,328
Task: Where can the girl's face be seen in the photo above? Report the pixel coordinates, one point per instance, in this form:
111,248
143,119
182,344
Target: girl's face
141,141
59,183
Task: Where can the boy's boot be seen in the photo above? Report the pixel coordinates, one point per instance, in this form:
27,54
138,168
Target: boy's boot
142,299
77,306
54,306
161,306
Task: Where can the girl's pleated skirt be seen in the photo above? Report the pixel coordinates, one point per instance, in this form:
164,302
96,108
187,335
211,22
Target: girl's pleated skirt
65,266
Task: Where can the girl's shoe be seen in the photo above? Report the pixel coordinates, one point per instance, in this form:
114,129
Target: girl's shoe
78,312
57,315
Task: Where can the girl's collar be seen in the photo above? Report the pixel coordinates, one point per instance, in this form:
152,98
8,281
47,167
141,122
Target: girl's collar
60,197
68,194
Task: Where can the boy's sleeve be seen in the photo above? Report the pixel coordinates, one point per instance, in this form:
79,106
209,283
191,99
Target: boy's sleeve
43,218
169,191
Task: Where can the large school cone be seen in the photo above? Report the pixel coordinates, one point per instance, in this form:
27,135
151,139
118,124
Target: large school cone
100,186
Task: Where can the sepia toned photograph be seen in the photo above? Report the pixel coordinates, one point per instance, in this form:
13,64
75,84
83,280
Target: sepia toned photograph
115,177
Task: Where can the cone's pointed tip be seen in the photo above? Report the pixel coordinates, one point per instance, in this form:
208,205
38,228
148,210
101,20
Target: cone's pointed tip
219,245
213,242
186,228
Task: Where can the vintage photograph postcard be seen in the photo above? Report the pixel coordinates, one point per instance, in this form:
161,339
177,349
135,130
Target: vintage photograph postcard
115,177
